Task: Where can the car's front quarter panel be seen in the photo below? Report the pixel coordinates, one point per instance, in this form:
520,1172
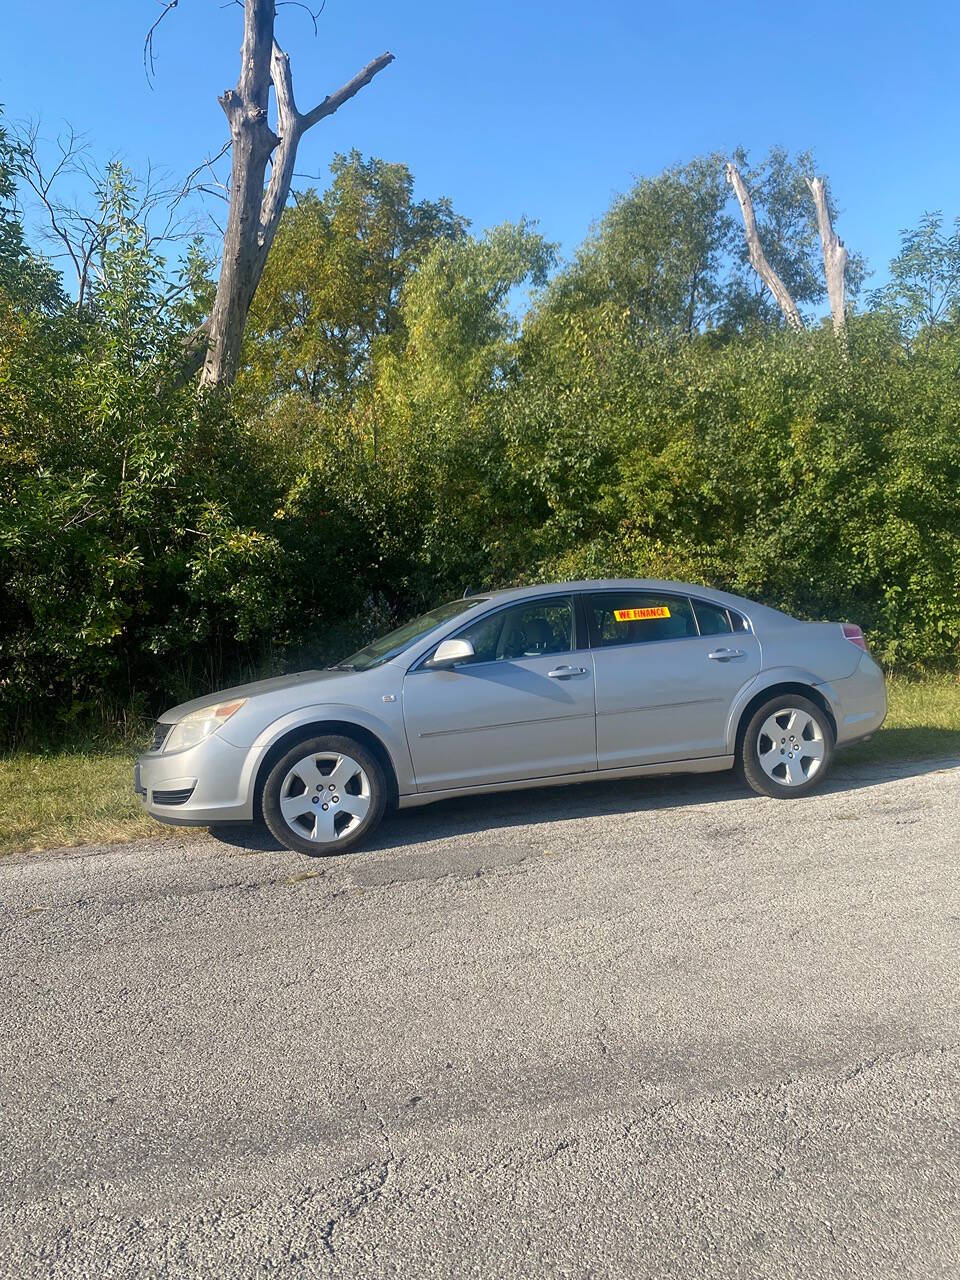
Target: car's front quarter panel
386,727
224,768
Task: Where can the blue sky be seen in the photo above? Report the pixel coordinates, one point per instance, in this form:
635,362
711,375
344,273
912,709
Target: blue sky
536,109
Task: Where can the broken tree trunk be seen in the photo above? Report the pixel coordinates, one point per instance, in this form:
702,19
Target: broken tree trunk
758,259
254,212
834,257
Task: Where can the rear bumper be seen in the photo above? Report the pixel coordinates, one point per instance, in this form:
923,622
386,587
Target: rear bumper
859,702
195,788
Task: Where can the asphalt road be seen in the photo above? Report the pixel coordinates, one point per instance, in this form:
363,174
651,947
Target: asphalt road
654,1029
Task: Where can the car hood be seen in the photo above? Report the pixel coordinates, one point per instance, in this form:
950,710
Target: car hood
325,680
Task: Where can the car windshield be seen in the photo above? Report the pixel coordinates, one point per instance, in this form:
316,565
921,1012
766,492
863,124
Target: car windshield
394,642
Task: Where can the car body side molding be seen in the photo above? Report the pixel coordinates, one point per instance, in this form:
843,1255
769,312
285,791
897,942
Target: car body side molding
704,764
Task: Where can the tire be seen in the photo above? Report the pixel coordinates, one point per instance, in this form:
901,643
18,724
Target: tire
770,767
324,795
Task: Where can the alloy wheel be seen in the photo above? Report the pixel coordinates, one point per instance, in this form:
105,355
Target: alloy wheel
325,796
790,747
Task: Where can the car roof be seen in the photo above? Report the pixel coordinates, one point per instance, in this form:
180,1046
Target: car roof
749,607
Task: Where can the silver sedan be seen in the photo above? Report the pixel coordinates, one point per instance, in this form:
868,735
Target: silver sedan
524,688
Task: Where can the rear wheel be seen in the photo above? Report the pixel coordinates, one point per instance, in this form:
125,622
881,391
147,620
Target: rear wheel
786,748
324,795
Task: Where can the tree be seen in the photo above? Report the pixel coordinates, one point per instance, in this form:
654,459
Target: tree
785,239
256,205
460,328
26,279
924,286
834,256
657,255
80,223
135,531
758,259
331,287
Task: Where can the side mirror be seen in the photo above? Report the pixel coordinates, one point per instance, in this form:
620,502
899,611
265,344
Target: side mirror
450,652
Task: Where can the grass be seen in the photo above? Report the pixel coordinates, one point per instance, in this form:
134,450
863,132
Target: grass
84,795
923,722
70,797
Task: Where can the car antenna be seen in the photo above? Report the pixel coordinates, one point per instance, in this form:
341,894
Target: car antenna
468,593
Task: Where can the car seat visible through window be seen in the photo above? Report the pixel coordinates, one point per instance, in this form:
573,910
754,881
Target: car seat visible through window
529,637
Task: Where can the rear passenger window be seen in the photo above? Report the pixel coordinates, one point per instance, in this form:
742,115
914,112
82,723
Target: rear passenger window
638,617
713,618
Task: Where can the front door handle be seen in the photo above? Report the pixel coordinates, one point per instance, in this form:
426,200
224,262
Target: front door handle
566,673
726,655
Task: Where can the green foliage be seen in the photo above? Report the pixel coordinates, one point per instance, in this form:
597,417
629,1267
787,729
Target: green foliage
924,285
670,256
333,280
399,433
132,539
787,225
659,255
25,280
460,331
408,489
778,471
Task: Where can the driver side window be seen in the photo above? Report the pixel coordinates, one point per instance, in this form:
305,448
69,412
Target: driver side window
525,631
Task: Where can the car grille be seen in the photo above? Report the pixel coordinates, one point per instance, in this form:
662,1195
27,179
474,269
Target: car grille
174,797
160,732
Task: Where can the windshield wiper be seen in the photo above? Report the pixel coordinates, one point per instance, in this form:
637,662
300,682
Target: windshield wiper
342,666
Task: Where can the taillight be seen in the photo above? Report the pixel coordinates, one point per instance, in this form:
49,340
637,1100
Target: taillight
854,635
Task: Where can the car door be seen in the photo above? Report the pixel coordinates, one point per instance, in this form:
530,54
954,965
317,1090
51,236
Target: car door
667,670
522,707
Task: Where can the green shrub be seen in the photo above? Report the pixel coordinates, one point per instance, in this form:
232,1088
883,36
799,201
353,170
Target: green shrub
156,542
774,468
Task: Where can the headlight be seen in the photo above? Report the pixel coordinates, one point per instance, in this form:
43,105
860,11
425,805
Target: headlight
197,725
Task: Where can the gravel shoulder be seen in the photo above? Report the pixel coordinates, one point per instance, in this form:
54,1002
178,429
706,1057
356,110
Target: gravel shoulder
661,1028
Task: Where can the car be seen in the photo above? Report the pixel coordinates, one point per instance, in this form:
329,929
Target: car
528,687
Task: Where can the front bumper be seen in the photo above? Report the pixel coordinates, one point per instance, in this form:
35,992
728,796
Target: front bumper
204,785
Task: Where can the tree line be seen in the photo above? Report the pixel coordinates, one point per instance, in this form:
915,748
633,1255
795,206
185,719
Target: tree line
400,426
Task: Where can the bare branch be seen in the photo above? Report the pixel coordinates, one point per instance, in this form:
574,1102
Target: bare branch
190,183
256,204
758,259
313,14
254,83
287,115
834,257
77,247
81,225
334,101
289,130
149,60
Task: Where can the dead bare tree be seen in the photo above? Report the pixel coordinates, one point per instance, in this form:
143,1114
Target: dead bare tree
758,259
834,257
255,205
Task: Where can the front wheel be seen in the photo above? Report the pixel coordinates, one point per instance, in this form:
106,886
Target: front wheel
324,795
786,748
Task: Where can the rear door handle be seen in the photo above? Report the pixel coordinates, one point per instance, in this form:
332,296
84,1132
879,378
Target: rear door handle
726,655
566,673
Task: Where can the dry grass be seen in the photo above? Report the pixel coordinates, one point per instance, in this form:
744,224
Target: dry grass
85,795
69,797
